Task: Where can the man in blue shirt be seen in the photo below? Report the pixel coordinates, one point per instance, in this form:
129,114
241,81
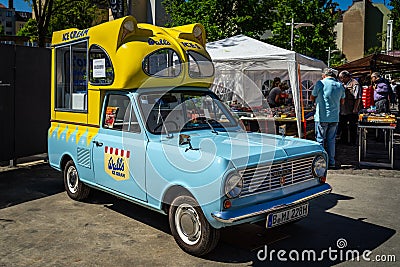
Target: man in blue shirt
328,94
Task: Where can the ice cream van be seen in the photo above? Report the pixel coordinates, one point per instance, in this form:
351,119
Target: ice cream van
132,115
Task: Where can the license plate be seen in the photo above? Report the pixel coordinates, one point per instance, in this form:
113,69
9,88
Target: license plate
285,216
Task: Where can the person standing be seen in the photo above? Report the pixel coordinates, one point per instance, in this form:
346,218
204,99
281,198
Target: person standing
349,110
394,86
328,94
273,95
381,93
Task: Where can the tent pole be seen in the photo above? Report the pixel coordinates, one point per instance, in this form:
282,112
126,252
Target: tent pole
302,103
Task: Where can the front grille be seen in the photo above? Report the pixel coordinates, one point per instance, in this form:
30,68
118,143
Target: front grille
262,179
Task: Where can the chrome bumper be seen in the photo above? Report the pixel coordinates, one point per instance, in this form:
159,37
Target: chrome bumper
230,216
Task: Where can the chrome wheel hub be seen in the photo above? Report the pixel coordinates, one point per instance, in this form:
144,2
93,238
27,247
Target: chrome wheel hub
188,224
72,179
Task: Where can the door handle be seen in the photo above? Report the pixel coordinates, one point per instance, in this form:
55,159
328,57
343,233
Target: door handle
97,143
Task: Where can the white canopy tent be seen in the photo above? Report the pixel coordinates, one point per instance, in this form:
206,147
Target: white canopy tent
243,64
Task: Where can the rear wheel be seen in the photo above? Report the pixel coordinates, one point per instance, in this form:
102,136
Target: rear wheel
74,187
190,228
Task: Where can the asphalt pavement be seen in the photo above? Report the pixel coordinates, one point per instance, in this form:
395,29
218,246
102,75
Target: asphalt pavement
41,226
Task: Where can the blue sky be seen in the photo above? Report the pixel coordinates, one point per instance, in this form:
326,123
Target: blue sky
344,4
21,5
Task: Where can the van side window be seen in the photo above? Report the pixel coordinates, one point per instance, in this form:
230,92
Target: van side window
100,66
162,63
119,114
134,124
199,65
71,79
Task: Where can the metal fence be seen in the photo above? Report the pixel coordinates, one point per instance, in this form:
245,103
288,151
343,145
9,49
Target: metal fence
24,100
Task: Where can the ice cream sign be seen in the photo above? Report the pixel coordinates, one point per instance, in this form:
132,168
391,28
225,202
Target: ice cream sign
75,34
116,163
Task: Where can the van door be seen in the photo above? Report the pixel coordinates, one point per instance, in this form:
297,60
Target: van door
119,149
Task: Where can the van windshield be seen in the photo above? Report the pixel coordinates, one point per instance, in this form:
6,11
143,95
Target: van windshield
176,111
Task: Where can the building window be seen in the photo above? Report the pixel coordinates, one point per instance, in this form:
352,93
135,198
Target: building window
71,77
9,14
9,24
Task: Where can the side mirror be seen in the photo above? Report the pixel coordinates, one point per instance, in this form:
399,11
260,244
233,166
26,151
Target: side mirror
184,139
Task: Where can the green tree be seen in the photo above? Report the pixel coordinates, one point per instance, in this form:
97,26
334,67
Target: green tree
1,29
222,18
76,14
311,41
395,16
30,30
54,15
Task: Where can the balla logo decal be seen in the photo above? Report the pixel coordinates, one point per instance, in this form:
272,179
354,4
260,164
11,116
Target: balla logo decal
151,41
116,163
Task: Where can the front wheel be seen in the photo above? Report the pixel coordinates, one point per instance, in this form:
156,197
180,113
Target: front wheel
74,187
190,228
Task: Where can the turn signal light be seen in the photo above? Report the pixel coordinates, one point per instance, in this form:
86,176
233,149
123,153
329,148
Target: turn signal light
227,204
322,179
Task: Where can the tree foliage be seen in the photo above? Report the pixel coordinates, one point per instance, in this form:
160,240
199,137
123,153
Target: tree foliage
226,18
1,29
222,18
311,41
74,14
52,15
30,30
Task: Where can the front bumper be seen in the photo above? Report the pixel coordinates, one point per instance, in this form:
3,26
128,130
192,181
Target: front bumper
230,216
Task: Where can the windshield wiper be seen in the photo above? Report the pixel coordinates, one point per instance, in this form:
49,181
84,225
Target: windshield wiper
212,128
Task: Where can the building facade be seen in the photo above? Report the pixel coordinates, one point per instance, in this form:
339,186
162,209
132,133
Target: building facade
12,20
7,18
362,27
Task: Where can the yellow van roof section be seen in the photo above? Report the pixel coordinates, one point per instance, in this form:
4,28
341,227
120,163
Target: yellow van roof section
127,43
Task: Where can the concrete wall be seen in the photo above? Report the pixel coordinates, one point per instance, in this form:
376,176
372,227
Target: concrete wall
354,31
363,26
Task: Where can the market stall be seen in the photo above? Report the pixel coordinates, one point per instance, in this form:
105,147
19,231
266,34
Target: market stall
375,146
243,64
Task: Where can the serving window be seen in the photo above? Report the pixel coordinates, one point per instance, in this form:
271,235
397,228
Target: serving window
71,77
101,69
162,63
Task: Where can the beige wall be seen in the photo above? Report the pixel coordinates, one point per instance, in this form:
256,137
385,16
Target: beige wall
361,25
353,31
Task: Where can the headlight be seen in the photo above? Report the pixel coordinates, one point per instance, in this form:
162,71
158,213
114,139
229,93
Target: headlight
233,185
319,166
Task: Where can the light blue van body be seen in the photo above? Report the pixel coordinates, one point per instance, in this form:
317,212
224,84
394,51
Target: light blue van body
277,171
